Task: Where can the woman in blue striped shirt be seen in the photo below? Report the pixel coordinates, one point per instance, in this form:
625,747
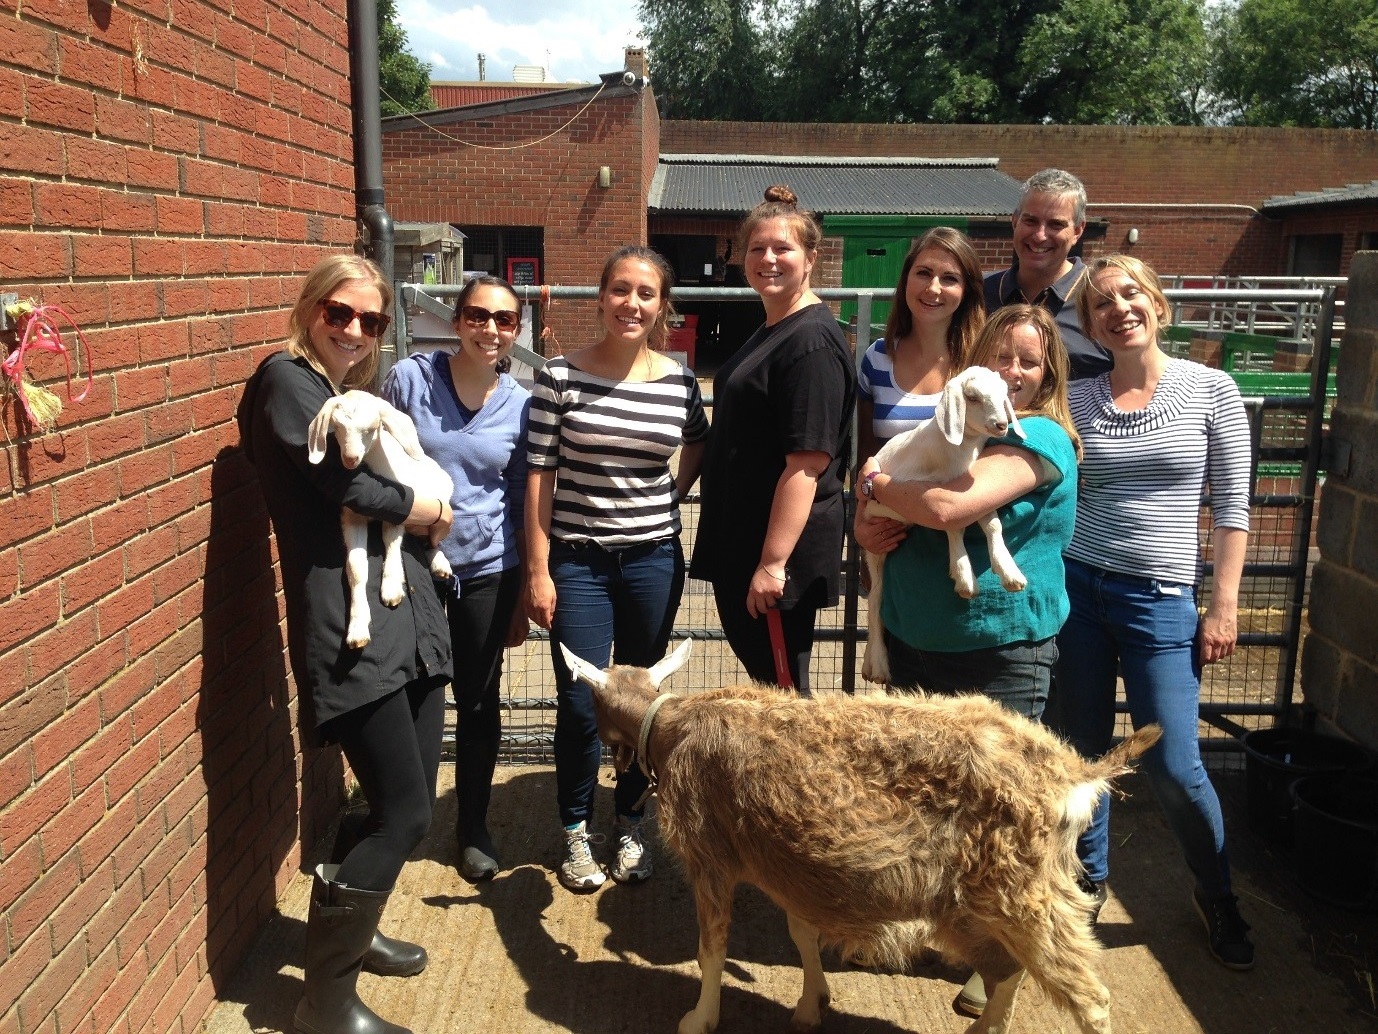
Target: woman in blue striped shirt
934,319
605,567
1154,430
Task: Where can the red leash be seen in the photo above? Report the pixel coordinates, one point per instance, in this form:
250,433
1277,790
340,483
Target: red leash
777,648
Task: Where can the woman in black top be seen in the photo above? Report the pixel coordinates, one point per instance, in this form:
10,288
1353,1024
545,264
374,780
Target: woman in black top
771,525
384,703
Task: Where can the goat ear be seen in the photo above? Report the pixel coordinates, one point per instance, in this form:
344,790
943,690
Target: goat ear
951,414
400,426
1015,425
582,669
669,664
319,431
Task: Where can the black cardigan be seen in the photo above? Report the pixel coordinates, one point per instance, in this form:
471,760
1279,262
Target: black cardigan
410,641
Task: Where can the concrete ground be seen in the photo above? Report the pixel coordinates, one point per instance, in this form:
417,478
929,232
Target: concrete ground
521,955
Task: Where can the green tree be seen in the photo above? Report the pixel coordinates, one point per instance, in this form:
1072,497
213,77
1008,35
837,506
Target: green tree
405,82
1098,62
1300,63
708,59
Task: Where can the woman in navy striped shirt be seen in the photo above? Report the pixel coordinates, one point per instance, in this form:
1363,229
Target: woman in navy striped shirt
1154,430
605,567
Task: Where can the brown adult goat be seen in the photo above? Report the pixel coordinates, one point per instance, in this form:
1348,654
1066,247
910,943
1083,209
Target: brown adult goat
877,824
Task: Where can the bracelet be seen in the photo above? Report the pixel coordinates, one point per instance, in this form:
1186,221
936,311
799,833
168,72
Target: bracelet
778,577
438,515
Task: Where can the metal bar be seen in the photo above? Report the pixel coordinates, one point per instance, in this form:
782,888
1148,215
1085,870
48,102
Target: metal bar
1320,370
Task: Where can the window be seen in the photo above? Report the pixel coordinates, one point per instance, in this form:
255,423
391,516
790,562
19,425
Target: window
1316,254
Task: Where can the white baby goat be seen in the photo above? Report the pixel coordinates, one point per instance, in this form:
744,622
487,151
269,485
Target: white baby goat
371,431
974,406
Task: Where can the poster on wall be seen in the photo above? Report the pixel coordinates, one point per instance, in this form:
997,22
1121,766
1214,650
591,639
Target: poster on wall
523,272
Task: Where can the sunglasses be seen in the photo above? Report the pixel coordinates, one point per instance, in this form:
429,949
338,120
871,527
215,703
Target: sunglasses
478,316
339,315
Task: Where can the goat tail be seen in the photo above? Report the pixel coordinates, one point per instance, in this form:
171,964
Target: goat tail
1120,758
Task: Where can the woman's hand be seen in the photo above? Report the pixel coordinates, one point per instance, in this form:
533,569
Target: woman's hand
878,535
1219,633
540,599
518,627
766,588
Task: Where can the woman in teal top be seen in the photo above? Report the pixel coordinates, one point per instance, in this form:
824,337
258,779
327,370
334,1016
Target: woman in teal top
999,643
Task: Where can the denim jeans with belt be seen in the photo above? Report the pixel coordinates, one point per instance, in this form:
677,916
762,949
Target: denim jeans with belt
1149,629
610,604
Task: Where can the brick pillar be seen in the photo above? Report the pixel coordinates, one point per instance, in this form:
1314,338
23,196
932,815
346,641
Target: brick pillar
634,60
1339,674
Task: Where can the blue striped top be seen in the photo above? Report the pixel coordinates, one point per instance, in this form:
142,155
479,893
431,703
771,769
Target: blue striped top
893,409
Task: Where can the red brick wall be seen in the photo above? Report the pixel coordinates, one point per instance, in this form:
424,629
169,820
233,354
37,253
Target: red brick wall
536,168
1351,222
168,170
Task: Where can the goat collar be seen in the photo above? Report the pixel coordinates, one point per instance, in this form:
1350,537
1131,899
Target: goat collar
643,746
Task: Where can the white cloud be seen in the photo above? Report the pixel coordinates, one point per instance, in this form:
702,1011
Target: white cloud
577,39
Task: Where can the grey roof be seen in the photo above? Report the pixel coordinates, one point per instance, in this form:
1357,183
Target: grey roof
1349,194
733,184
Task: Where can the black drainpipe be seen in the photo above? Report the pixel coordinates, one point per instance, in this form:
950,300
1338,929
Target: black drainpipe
375,223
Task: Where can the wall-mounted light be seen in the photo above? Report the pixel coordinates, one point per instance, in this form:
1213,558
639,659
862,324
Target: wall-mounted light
1134,235
604,176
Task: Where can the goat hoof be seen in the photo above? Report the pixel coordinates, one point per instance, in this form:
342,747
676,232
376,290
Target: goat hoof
358,642
391,597
1015,585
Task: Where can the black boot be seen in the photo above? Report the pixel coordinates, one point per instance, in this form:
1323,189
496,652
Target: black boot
339,929
474,764
386,956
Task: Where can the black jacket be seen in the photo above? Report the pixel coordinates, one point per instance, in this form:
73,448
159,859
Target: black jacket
410,641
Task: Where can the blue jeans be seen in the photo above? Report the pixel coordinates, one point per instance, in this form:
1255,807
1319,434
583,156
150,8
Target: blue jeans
1148,628
617,604
1016,675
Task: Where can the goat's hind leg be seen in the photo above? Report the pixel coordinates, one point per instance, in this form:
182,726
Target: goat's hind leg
875,662
1002,976
1001,560
355,531
808,1014
394,584
714,906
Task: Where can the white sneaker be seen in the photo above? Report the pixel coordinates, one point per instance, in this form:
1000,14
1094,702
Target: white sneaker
578,871
633,861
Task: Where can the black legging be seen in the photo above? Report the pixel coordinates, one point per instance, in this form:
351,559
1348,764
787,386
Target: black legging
393,746
479,619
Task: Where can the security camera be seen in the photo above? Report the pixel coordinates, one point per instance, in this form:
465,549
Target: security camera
628,78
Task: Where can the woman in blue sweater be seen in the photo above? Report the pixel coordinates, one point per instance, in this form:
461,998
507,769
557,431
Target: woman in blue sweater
470,416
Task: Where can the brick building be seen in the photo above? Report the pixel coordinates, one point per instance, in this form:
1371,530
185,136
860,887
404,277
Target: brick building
168,173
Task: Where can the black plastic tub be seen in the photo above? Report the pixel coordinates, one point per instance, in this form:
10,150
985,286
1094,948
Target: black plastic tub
1276,758
1337,838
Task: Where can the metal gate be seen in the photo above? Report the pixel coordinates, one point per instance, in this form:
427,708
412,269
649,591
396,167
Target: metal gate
1253,688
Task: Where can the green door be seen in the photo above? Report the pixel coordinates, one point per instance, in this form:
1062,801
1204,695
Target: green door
873,250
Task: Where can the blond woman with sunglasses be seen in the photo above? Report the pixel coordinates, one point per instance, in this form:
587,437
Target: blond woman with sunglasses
470,417
383,704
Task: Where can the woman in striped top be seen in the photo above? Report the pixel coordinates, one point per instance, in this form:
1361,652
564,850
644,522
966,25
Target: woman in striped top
1153,430
605,567
934,319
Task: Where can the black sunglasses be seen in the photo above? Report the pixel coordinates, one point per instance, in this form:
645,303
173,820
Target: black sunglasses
477,316
339,315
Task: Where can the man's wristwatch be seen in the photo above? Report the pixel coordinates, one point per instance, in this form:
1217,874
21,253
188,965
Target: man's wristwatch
868,485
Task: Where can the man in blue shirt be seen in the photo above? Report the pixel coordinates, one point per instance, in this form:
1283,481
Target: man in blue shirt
1048,223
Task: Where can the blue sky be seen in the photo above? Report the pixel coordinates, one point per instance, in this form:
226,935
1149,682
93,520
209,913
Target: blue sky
575,39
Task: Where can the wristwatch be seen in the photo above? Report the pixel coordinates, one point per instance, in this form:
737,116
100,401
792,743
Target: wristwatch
868,485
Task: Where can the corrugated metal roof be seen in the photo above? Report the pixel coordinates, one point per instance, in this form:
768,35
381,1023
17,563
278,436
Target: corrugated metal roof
1348,194
733,184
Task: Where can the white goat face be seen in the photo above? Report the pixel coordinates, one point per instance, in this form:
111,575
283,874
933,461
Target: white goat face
986,399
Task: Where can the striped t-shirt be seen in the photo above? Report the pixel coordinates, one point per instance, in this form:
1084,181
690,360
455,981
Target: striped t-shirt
1142,473
893,409
610,443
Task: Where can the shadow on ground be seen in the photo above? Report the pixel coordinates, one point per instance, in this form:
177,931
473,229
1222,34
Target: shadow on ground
521,955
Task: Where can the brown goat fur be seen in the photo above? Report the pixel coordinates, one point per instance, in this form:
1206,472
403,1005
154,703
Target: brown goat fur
878,824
